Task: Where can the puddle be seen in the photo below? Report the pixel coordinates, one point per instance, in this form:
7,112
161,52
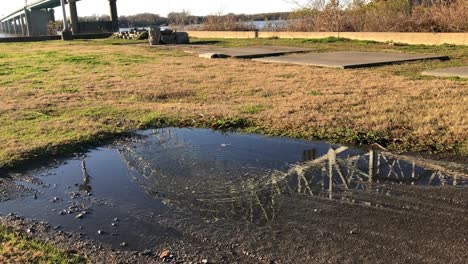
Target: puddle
245,191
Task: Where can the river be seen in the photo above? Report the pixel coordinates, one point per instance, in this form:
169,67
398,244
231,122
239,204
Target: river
5,35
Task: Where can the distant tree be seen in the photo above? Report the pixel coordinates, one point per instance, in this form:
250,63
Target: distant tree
94,18
142,20
180,18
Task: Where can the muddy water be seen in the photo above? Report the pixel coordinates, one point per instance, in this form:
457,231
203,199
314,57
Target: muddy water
270,199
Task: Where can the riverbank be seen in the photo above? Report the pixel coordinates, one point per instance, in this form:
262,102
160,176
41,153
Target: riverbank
58,96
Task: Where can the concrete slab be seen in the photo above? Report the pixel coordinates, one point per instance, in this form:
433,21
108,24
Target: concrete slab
349,59
244,53
461,72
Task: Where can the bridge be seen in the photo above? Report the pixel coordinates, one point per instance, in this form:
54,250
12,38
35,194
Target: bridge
33,19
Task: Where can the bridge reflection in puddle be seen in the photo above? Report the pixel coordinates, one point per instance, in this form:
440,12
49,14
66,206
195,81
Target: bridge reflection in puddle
228,181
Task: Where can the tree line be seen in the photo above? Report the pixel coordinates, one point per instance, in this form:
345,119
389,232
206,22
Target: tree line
181,18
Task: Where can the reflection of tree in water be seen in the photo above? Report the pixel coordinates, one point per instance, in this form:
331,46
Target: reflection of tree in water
86,185
255,199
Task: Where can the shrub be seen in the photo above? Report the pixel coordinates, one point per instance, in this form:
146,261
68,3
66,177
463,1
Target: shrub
382,16
225,23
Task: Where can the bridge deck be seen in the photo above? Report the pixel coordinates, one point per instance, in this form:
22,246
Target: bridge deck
38,4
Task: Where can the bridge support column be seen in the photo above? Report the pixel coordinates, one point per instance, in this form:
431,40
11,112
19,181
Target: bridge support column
113,15
21,24
15,28
73,16
20,28
27,25
52,14
18,25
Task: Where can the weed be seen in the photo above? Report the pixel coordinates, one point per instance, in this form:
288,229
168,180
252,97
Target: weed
230,123
252,109
287,75
315,93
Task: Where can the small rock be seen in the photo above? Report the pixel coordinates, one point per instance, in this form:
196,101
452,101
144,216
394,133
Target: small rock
80,215
147,253
30,230
113,224
100,232
353,232
72,251
123,244
204,261
165,254
116,219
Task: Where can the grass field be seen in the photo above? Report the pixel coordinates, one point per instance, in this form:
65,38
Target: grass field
56,96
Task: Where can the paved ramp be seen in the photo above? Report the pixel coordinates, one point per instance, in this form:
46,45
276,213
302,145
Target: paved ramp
244,53
461,72
349,59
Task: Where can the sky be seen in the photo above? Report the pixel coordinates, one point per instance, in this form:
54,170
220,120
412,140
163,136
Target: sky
163,7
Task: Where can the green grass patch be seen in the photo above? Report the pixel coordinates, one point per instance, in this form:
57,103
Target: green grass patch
16,247
230,123
315,93
84,59
252,109
36,116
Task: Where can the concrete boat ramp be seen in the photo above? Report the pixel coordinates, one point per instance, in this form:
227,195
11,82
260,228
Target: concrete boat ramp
460,72
293,55
243,53
349,59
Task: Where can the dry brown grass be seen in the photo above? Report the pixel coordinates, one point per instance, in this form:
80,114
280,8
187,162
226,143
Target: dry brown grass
57,93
